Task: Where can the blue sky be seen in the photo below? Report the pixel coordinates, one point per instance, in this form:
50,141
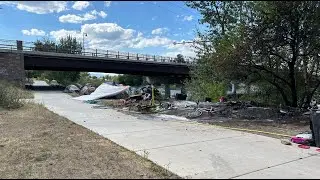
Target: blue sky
148,27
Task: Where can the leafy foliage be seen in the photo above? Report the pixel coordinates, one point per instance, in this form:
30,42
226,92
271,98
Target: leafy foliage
131,80
273,43
65,45
179,58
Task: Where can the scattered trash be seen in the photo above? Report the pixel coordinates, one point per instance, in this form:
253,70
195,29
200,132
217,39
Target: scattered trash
222,99
303,138
104,90
303,146
87,89
100,107
91,102
318,150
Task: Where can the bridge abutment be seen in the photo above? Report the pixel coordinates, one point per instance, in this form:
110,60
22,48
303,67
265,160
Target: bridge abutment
12,67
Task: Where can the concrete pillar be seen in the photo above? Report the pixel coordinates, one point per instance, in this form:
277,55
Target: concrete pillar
12,67
19,45
167,90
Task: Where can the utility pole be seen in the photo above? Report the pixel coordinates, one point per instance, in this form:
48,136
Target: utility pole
84,34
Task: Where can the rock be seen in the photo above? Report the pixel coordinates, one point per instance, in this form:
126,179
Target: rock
87,89
54,83
286,142
71,88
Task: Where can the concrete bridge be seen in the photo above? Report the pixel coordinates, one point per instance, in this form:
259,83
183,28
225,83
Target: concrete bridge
15,58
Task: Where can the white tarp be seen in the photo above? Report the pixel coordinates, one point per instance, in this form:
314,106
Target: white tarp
104,90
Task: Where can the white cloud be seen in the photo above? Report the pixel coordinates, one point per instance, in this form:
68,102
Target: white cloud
141,42
101,13
71,18
107,3
159,31
109,31
79,5
185,51
111,36
40,7
33,32
187,18
64,33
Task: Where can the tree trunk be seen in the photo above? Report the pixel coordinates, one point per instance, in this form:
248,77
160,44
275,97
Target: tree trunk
293,87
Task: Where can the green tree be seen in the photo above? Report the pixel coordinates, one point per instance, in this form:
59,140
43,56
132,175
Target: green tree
45,45
66,45
179,58
69,45
272,42
131,80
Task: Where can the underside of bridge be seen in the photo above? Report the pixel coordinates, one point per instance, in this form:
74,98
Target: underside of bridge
12,66
35,62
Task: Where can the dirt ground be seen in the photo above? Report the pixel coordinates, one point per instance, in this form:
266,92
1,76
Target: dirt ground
36,143
256,119
290,126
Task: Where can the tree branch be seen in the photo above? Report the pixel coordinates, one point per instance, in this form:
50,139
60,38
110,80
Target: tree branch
272,73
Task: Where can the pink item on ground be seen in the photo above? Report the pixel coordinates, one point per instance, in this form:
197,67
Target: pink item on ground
299,140
304,146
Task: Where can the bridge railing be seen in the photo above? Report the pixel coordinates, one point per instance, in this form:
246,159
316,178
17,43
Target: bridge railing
29,46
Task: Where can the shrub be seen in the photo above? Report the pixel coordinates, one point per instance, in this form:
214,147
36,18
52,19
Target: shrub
11,95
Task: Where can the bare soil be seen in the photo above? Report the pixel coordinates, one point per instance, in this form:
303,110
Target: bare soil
291,128
37,143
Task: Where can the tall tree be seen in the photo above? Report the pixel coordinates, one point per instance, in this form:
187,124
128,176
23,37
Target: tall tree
65,45
69,45
131,80
275,42
179,58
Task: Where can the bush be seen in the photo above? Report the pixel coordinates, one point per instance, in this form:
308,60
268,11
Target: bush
11,95
200,89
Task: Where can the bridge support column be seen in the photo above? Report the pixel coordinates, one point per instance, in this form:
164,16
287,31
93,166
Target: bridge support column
167,90
12,68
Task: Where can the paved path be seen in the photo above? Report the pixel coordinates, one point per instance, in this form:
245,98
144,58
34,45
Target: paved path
188,149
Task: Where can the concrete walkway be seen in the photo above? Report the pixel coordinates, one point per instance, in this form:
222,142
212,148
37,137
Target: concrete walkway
189,149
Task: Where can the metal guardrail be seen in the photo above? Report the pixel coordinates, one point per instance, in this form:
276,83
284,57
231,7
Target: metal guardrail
12,45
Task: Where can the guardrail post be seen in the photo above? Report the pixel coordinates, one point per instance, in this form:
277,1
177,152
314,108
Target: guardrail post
96,52
128,55
146,57
137,56
118,55
107,53
154,57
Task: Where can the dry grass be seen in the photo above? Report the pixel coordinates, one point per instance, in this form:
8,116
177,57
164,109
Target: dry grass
11,95
37,143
